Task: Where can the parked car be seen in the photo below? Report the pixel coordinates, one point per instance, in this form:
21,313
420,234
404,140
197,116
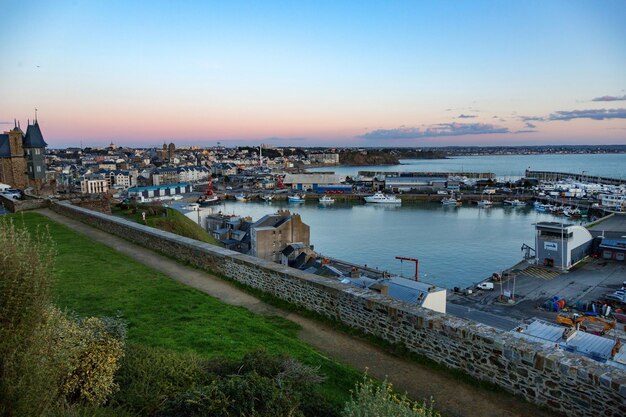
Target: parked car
11,194
619,295
487,286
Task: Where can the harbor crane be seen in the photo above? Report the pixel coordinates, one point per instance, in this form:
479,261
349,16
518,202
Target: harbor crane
402,259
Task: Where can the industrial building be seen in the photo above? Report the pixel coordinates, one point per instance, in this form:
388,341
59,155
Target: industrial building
311,182
165,190
407,184
613,249
561,245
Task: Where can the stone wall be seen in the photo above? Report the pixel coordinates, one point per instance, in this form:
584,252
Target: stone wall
564,382
15,206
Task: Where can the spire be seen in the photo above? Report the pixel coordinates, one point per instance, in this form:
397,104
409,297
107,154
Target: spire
35,121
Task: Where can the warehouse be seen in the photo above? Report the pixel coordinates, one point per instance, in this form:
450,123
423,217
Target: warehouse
561,245
613,249
407,184
164,190
310,182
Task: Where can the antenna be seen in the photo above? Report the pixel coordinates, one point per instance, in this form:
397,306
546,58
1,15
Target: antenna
35,115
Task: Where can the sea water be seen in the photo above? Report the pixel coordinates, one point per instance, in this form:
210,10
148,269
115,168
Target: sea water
456,246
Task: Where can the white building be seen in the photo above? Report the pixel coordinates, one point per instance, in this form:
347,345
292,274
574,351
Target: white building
94,184
325,158
616,202
561,245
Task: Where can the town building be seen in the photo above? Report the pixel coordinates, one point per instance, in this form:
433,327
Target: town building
94,184
273,233
325,158
561,245
165,176
22,157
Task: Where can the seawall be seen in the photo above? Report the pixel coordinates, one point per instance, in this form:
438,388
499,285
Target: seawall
562,381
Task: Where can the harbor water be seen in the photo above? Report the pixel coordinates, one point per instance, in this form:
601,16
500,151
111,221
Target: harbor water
506,167
456,246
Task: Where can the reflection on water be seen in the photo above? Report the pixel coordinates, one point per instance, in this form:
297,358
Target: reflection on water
456,246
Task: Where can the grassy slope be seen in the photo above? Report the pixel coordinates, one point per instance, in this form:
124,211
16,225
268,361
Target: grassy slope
93,279
175,222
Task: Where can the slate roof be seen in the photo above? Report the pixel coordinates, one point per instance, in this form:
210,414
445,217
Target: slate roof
4,145
34,138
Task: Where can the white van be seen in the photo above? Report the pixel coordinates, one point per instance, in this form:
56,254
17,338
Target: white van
487,286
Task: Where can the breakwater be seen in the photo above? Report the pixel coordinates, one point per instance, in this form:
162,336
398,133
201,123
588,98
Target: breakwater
582,177
475,175
564,382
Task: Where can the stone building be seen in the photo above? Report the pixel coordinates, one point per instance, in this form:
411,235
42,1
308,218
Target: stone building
270,235
22,157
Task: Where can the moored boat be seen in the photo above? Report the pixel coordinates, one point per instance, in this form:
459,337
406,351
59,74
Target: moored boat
485,203
514,203
267,197
296,198
241,197
382,199
326,200
451,201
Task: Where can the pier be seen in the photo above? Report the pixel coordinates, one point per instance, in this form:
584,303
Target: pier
582,177
475,175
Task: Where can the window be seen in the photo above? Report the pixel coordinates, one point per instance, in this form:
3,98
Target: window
30,168
38,169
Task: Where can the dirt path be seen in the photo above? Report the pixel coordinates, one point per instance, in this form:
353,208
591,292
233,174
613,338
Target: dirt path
452,397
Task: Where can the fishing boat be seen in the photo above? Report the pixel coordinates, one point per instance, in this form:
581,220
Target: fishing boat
485,203
382,199
451,201
514,203
296,198
267,197
241,197
326,200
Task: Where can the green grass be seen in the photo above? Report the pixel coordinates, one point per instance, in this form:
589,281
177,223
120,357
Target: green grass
93,279
174,222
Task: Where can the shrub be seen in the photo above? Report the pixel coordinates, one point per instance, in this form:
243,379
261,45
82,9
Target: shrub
373,400
28,384
150,376
46,357
94,348
258,385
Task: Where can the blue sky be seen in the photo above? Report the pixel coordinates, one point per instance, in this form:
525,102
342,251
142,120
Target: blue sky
355,73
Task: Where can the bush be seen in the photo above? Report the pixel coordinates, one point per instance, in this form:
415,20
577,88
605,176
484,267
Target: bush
372,400
28,383
95,347
150,376
47,359
258,385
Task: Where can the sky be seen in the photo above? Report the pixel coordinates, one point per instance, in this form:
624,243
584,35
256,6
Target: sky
293,73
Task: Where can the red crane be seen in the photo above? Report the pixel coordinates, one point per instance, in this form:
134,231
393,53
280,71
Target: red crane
209,187
280,184
401,258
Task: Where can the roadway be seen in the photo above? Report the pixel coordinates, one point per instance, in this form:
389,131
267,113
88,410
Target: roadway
483,317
